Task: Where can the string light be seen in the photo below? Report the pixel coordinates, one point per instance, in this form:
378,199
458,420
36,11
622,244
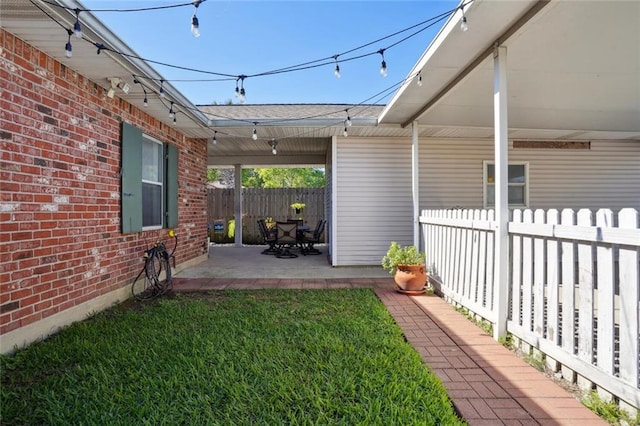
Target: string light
254,136
175,121
68,49
240,90
463,21
195,25
133,9
422,26
273,145
419,79
145,102
383,65
172,114
345,133
214,140
77,28
348,122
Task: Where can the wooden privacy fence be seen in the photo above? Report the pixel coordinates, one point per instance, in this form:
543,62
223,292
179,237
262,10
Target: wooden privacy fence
260,203
574,286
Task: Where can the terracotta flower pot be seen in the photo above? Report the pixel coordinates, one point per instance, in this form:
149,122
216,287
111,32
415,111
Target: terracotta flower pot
411,277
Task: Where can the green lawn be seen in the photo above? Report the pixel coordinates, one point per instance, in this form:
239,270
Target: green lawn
234,357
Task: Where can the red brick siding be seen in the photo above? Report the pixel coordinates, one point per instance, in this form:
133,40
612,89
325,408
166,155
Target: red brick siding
60,151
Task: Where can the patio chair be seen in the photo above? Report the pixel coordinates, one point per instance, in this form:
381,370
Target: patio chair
310,240
286,238
269,238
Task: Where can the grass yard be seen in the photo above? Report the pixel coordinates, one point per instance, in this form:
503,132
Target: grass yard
234,357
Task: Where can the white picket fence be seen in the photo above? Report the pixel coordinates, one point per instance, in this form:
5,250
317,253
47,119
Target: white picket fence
574,285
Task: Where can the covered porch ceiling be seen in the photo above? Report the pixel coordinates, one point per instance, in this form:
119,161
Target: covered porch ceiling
573,71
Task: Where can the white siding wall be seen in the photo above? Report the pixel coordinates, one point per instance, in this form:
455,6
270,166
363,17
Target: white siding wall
372,186
606,176
373,198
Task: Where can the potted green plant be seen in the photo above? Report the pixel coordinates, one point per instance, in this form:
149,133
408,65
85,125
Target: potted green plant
297,206
269,222
407,265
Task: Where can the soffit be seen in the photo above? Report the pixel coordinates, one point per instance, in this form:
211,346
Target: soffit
23,19
573,71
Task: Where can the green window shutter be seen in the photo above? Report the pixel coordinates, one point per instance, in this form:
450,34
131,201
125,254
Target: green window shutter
171,181
131,196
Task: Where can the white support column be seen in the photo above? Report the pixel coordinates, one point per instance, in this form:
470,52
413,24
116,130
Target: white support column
501,131
415,182
237,205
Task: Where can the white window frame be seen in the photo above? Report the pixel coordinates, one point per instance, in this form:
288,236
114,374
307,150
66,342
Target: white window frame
485,184
160,183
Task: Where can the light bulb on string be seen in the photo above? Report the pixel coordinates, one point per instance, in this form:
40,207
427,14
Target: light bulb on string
214,140
348,122
175,121
77,28
161,91
254,136
145,102
336,71
241,93
383,65
68,49
419,79
463,22
172,114
273,144
344,132
195,24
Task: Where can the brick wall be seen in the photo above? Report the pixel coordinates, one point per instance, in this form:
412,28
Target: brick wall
60,150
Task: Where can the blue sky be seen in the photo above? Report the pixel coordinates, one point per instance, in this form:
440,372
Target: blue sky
251,37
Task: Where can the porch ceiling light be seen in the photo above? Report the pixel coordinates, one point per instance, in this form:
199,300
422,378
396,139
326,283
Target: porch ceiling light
114,84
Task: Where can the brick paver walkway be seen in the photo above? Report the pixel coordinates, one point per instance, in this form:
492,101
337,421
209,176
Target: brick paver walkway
488,384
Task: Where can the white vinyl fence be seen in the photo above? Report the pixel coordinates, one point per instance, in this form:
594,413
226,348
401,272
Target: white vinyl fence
574,285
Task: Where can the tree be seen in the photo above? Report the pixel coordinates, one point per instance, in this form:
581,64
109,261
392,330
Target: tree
291,177
271,177
213,175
